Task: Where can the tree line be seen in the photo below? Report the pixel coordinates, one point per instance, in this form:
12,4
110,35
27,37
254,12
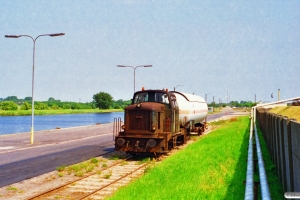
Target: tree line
241,104
101,100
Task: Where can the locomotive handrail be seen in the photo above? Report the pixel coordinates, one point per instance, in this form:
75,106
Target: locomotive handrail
116,127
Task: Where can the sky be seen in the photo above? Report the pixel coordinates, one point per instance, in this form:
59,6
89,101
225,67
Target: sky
246,49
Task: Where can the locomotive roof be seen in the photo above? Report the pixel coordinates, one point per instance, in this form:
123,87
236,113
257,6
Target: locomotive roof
189,97
141,91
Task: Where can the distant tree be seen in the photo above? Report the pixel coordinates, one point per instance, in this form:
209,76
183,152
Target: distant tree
8,105
121,104
223,105
12,98
103,100
51,99
28,98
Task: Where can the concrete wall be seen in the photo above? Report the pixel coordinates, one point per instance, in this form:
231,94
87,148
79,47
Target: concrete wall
282,137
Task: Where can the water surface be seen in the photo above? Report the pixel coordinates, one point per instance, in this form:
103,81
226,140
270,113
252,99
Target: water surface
18,124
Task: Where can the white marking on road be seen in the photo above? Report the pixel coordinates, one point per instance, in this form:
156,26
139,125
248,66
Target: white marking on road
5,148
56,143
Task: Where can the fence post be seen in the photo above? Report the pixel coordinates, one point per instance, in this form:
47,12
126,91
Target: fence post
295,137
288,176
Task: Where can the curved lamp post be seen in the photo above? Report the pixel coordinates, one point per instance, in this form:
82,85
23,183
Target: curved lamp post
32,99
134,68
177,86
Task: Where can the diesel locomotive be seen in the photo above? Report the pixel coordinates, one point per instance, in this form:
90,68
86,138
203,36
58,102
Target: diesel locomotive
159,120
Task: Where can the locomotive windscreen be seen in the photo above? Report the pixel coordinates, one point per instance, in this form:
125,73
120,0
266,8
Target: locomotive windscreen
151,97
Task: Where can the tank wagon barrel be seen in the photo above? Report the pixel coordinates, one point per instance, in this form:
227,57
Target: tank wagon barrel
159,120
192,108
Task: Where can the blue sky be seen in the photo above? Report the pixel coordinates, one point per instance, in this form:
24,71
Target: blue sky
210,47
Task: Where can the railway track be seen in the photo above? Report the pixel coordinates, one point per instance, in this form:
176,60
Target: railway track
100,184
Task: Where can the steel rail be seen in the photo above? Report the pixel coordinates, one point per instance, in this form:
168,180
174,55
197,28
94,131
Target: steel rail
76,180
265,191
249,193
124,176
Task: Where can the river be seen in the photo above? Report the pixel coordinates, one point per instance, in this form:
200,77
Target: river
18,124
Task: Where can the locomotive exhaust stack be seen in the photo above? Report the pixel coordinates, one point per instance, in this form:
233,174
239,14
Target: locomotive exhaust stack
158,120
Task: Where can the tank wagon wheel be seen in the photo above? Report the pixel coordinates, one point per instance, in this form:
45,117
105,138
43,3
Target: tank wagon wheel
199,132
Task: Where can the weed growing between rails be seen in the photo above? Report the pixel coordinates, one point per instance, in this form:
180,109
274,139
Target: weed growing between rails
63,174
214,167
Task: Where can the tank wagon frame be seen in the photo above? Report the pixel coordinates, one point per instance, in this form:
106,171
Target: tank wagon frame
158,121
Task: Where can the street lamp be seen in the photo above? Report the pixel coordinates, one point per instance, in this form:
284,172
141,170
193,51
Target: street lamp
206,96
177,86
32,99
134,68
228,97
214,98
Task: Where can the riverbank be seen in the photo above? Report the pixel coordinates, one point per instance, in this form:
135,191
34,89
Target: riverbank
55,112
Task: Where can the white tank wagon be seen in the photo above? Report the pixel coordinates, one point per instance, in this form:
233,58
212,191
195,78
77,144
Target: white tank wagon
192,110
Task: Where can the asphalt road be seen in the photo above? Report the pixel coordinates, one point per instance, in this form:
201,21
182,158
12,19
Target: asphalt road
20,160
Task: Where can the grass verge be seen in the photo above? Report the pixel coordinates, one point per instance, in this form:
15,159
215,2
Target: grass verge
214,167
289,111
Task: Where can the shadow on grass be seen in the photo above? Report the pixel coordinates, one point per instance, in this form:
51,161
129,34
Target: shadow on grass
236,189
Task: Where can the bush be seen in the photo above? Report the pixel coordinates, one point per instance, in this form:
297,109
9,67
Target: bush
75,106
25,106
41,106
8,105
55,107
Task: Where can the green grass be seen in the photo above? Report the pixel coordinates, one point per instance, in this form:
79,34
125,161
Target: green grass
214,167
55,112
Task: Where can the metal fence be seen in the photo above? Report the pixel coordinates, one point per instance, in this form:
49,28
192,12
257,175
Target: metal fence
282,137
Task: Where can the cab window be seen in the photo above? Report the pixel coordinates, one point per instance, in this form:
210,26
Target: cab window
151,97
